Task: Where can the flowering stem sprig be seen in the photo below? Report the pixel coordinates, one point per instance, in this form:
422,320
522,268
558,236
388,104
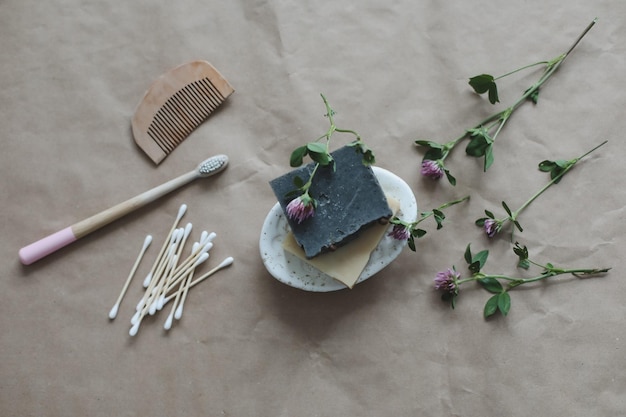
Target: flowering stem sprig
409,231
483,135
557,169
303,206
499,285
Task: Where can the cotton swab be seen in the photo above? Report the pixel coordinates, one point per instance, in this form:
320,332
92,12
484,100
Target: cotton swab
181,212
181,274
226,262
150,301
172,274
179,251
146,243
147,299
185,290
179,298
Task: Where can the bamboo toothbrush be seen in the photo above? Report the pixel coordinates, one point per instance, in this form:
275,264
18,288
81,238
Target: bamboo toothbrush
62,238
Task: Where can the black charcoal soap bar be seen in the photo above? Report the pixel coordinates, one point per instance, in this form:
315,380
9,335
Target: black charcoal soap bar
349,199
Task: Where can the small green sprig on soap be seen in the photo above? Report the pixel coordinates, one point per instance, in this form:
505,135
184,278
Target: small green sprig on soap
304,204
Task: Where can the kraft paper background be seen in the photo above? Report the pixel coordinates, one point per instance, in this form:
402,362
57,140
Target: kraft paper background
72,73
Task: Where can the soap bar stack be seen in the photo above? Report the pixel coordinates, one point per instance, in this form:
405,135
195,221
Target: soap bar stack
349,200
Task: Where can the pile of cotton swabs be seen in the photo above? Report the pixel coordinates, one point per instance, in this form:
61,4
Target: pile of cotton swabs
171,275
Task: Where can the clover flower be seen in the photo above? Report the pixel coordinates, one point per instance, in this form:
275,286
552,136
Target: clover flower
301,208
432,169
400,232
492,227
447,281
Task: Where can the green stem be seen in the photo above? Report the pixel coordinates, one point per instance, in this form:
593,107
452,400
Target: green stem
348,131
551,67
426,215
521,69
554,180
516,282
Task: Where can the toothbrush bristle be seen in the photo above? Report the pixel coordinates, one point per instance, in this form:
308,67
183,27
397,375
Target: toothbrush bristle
213,165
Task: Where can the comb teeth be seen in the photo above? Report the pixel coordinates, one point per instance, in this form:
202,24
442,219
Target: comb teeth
176,104
183,112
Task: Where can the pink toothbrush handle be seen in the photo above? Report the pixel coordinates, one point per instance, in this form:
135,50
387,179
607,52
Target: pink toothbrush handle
47,245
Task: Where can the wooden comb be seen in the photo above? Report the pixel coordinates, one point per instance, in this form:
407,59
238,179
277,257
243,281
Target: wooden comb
175,104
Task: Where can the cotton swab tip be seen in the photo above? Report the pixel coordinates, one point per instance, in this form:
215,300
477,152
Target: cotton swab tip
227,262
179,312
168,323
181,211
113,312
201,259
147,279
135,318
133,330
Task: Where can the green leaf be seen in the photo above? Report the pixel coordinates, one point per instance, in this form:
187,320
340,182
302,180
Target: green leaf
316,147
297,156
480,222
418,233
491,306
481,257
369,158
368,155
491,284
523,263
479,143
481,83
439,218
298,181
546,166
429,144
433,154
411,243
504,303
534,96
450,178
490,214
321,158
561,163
521,251
519,226
506,208
485,83
488,157
474,267
468,255
293,193
493,94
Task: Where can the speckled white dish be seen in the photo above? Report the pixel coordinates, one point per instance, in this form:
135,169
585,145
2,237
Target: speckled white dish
293,271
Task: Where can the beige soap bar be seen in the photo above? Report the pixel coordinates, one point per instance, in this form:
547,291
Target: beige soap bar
347,262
